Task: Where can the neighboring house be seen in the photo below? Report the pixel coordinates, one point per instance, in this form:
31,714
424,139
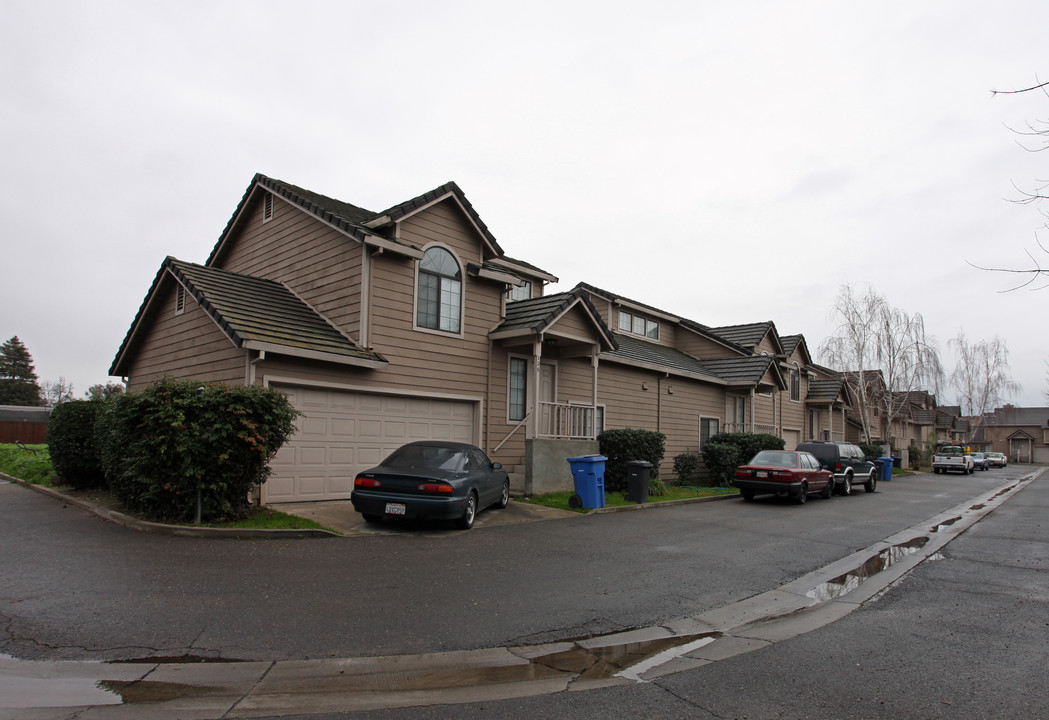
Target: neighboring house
412,323
24,423
1021,433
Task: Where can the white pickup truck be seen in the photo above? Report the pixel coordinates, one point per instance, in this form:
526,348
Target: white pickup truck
953,457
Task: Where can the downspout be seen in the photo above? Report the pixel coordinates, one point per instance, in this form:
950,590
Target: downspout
537,359
593,393
366,278
752,408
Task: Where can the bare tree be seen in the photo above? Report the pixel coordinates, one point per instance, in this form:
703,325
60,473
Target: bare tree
102,392
56,393
883,351
981,377
1035,139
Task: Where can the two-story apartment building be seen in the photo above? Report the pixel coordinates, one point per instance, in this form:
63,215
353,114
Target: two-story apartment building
412,323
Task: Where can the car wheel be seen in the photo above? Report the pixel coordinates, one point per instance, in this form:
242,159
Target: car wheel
469,513
504,498
829,490
748,495
802,495
872,482
369,518
846,486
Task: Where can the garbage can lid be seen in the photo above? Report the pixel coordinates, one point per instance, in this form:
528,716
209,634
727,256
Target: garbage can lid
588,458
640,463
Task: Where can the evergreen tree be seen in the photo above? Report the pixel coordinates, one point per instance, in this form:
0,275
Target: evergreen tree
18,381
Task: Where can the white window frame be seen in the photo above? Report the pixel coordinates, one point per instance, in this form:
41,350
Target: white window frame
795,385
519,292
441,316
510,362
708,420
638,325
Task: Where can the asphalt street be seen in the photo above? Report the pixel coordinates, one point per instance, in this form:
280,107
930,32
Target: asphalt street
76,587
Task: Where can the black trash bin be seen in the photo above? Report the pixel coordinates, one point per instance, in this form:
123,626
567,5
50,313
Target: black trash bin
637,474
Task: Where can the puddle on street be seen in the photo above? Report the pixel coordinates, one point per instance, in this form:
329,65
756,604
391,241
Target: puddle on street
847,582
601,663
945,523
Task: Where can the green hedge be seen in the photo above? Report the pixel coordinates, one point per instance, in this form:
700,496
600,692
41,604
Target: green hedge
160,445
71,443
724,452
622,446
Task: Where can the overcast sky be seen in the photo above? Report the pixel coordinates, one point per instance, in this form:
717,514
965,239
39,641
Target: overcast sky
728,162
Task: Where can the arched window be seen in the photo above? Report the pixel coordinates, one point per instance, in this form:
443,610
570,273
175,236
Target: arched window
440,296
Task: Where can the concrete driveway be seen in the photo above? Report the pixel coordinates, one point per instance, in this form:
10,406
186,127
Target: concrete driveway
340,516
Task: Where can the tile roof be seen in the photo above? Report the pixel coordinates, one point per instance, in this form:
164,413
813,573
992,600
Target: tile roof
356,221
825,390
253,313
536,315
633,349
790,343
749,370
251,309
747,335
1036,416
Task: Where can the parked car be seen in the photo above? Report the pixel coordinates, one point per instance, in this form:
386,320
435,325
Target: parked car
783,473
997,459
981,461
848,463
431,479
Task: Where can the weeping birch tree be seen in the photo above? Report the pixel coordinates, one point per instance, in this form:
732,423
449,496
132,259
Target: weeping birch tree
981,377
883,352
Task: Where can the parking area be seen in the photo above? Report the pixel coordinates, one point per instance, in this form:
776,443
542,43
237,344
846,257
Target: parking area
340,516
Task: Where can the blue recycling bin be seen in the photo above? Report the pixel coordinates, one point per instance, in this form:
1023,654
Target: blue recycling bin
886,468
588,474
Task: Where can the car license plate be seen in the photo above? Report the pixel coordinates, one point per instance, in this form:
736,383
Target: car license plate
394,509
762,473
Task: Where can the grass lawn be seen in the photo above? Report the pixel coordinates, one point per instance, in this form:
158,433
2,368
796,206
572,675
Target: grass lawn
33,466
613,499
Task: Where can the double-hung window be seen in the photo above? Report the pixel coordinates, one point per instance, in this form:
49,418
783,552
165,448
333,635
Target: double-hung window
440,296
708,428
638,325
795,385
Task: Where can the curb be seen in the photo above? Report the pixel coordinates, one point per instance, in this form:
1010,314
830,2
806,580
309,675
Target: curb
146,526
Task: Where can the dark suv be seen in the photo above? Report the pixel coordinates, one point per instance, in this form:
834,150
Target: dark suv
848,463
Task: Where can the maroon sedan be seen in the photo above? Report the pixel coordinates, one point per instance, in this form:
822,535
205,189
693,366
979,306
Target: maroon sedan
784,473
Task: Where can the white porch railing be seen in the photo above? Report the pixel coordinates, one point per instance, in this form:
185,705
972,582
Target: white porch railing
746,428
566,420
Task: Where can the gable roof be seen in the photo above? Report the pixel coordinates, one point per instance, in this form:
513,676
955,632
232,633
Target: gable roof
365,225
828,391
791,343
255,314
537,315
750,335
1035,416
749,370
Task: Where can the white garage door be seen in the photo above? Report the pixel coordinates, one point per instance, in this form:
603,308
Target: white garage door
341,433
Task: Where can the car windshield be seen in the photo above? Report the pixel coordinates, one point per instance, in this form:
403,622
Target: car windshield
777,459
414,457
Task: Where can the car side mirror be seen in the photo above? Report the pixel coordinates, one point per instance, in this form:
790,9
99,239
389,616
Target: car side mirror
497,466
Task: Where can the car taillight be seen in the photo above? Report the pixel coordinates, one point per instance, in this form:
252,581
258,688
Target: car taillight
434,488
781,474
366,482
741,473
837,466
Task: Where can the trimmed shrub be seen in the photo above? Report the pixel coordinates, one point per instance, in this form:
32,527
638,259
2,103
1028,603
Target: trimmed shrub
622,446
721,460
71,443
749,444
687,467
160,445
871,450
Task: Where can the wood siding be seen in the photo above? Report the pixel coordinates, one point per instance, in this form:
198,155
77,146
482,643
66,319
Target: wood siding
318,263
189,345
